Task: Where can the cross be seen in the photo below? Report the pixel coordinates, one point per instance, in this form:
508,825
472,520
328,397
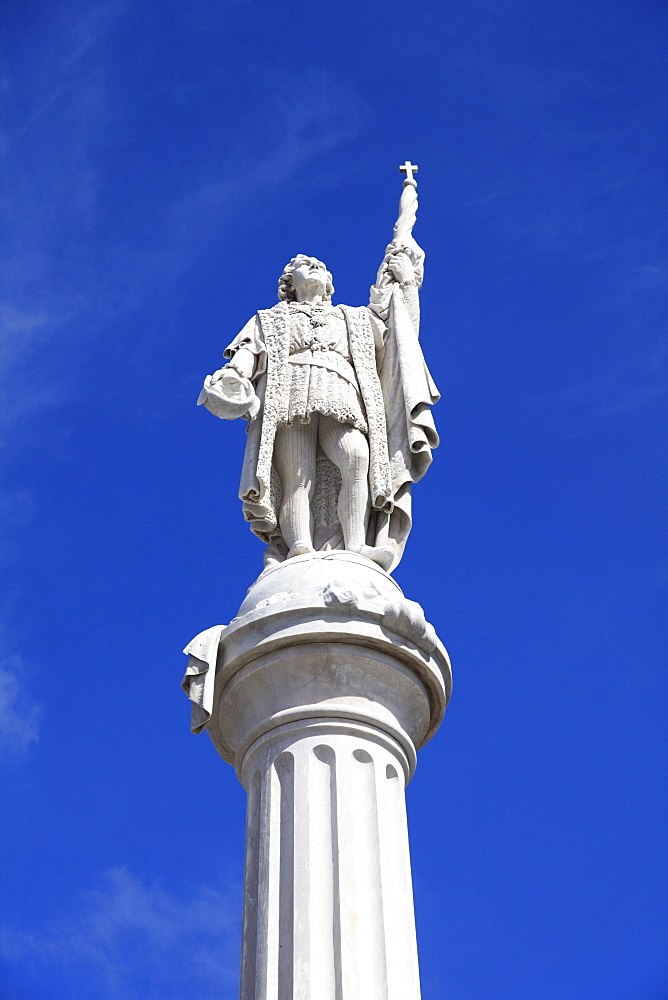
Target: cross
409,169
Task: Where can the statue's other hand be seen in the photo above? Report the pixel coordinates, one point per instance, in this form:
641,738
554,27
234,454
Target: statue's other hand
229,395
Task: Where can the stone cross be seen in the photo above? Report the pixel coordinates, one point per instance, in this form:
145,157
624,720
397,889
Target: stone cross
409,169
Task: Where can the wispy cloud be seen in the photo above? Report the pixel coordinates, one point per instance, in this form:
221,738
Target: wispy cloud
651,275
294,130
572,150
75,268
618,388
134,940
19,714
54,101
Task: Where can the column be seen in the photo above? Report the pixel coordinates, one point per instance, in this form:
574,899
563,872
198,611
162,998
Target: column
328,902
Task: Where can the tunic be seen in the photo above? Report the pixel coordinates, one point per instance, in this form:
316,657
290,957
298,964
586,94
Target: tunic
322,378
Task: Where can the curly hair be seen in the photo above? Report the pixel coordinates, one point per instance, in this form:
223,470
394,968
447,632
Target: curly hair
286,291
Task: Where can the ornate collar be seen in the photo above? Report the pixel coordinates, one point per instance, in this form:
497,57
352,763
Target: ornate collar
317,314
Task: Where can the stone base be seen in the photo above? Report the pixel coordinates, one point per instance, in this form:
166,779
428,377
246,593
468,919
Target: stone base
328,635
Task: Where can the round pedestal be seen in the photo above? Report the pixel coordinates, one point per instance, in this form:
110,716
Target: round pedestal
328,636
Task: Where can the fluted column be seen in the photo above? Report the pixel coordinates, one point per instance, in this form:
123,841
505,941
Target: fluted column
328,903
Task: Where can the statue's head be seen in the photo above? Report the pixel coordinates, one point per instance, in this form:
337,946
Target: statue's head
301,272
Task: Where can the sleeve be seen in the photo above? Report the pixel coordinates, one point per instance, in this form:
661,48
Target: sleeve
379,314
250,338
230,393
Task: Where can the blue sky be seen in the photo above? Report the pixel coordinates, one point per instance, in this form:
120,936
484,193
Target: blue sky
161,162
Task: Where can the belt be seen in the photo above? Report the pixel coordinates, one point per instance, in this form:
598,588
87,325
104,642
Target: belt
326,359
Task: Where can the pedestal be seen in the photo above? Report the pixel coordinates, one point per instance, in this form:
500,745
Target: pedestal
325,686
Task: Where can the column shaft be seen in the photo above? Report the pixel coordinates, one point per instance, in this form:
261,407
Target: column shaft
328,910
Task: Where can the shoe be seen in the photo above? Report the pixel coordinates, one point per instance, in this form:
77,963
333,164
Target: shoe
382,555
300,548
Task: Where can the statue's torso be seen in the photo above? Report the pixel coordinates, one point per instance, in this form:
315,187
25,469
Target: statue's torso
322,377
318,329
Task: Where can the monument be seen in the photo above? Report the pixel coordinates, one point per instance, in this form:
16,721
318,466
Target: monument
328,681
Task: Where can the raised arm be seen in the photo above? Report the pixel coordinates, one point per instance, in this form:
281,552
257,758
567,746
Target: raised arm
402,268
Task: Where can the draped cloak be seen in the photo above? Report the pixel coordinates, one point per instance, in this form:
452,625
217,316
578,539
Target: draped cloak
397,391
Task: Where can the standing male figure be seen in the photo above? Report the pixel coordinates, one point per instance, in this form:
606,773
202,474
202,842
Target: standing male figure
338,402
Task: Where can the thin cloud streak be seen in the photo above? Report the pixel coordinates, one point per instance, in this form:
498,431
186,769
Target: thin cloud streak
617,390
575,192
67,276
298,131
130,940
19,715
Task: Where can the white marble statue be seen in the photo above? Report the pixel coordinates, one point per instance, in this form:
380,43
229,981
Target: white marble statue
337,401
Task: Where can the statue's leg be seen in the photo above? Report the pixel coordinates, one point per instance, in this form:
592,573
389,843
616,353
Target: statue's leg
348,448
294,455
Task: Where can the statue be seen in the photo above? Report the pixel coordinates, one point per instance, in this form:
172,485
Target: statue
337,401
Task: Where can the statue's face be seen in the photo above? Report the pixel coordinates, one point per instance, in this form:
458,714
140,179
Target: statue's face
309,278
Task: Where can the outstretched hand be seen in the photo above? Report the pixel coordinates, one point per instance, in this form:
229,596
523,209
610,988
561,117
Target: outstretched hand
229,395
